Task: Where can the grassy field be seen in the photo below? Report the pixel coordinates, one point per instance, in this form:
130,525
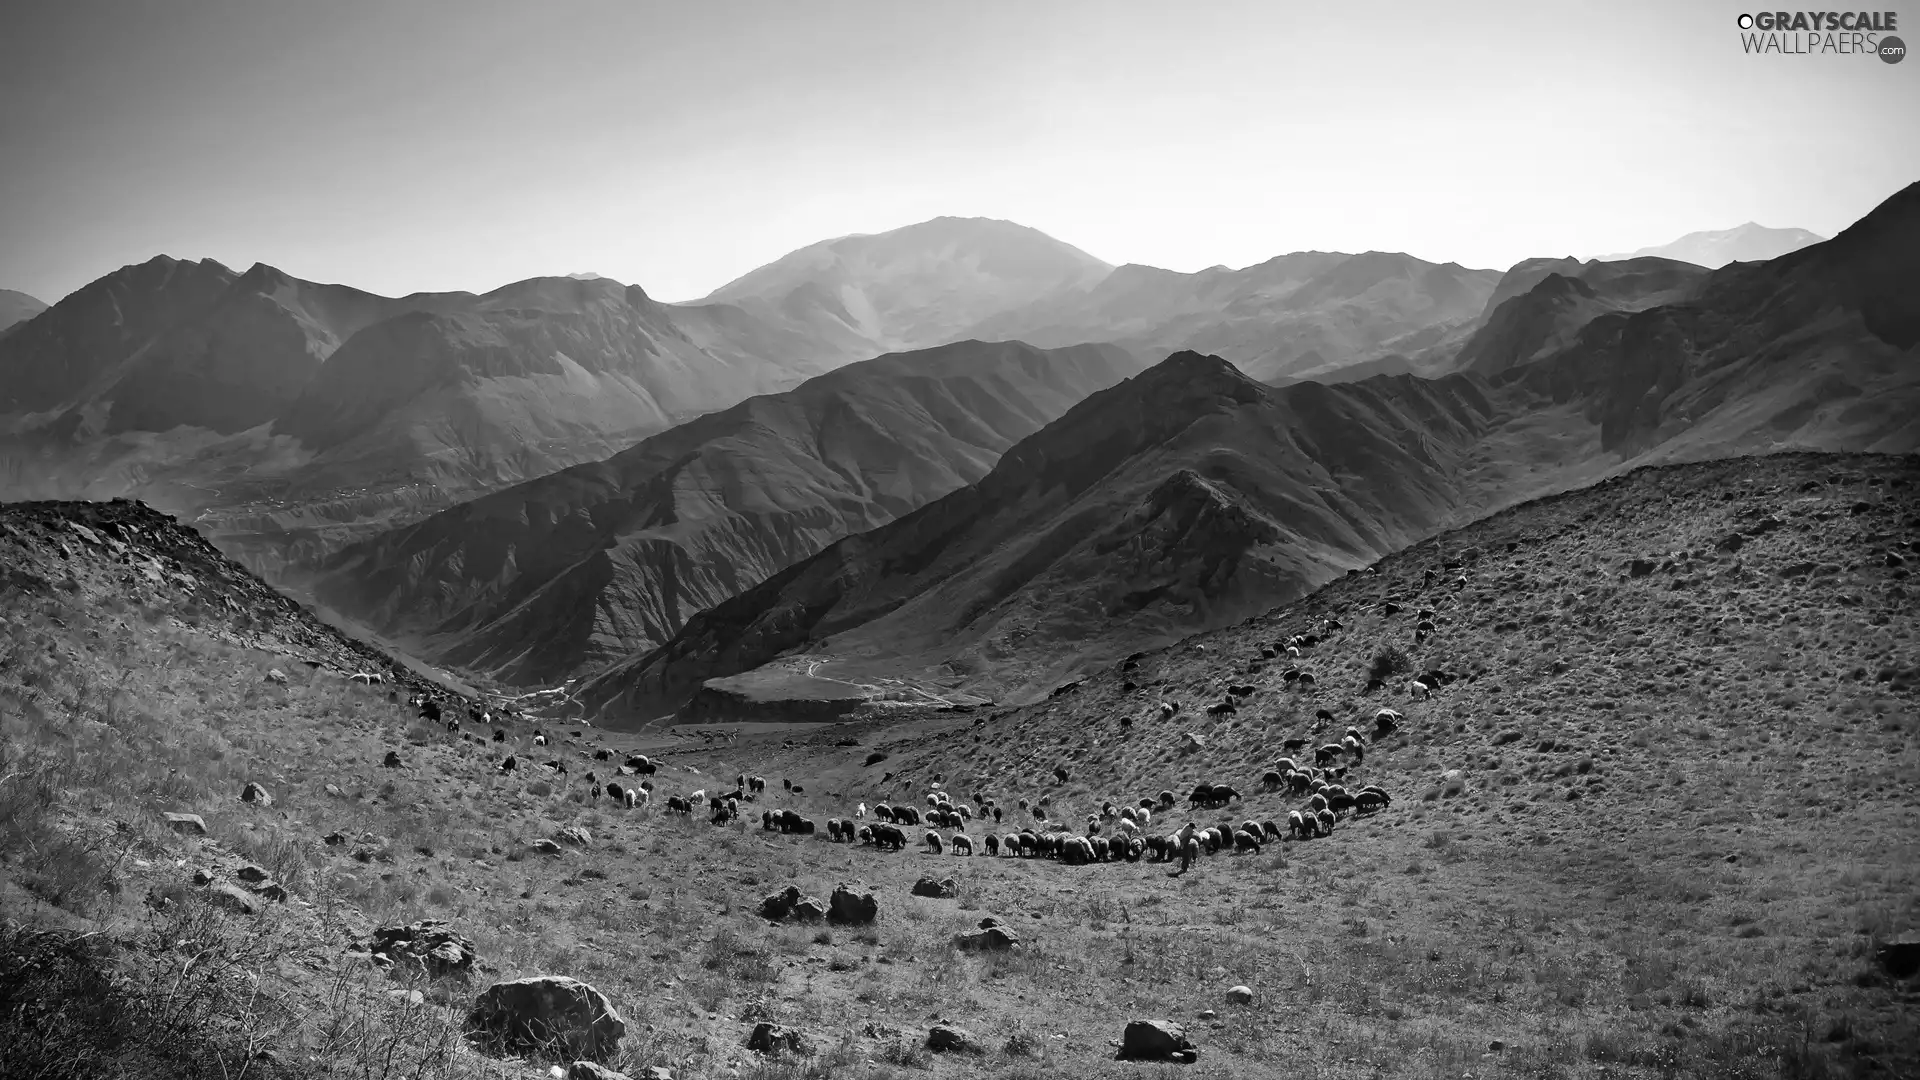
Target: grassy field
1686,812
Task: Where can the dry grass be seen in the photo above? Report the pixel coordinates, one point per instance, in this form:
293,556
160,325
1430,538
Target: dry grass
1744,833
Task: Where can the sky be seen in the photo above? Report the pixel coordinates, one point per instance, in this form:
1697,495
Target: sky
404,145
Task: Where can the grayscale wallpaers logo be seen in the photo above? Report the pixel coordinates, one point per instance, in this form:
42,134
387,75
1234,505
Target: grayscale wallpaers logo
1838,33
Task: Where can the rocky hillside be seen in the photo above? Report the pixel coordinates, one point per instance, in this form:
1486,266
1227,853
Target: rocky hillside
1187,496
601,561
916,286
1552,302
1294,315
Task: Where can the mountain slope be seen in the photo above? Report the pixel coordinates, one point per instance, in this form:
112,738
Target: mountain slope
1561,299
1294,315
602,560
17,307
1185,496
1714,249
915,286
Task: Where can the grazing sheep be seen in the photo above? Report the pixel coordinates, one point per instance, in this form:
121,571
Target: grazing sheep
616,792
1102,847
1326,822
634,797
1189,851
539,740
961,843
788,784
1060,773
1366,802
1355,749
1327,753
1318,802
1299,782
1294,746
1306,679
1285,765
1270,830
1144,816
996,815
1166,800
888,836
678,805
1127,813
698,796
1167,709
798,790
993,844
933,841
508,765
1293,651
1324,714
1297,826
1246,841
1271,779
1128,826
756,784
1419,690
860,811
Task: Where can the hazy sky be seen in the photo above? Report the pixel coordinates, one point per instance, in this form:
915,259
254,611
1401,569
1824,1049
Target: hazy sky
399,145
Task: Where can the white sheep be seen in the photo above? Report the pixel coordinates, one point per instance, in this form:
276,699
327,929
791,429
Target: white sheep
698,796
1293,652
1419,689
539,740
860,811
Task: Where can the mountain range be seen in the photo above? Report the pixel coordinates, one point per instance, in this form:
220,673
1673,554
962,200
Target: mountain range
594,563
17,307
1714,249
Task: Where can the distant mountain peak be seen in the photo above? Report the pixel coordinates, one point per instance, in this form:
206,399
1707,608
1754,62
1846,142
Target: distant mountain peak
1714,248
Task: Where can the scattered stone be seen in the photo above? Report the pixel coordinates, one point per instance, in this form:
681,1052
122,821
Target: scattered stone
1156,1040
1496,1046
187,824
430,943
810,909
778,905
1190,742
1208,1014
987,937
530,1015
201,877
334,839
275,675
254,793
270,890
408,997
588,1070
392,760
1240,995
658,1072
251,874
945,1039
853,905
772,1039
334,791
944,889
547,847
232,898
575,835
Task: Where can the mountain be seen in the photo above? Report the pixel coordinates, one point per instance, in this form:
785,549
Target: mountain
1183,498
599,561
289,416
1295,315
1744,243
916,286
1559,299
1186,496
17,307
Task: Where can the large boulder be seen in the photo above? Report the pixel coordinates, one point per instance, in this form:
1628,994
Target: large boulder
589,1070
773,1040
778,905
429,943
550,1015
1156,1040
852,905
947,1039
944,889
233,898
1240,995
575,835
810,909
1900,957
187,824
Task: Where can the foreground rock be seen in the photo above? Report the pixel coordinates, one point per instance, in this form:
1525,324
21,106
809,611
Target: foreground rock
1157,1040
1900,957
944,889
946,1039
429,943
546,1014
254,793
187,824
772,1039
852,905
778,905
1240,995
991,934
589,1070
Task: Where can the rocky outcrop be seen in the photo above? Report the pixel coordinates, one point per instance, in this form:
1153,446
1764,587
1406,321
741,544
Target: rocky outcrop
551,1016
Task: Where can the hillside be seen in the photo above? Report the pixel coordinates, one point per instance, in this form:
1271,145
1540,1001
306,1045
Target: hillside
1307,312
603,560
1557,300
1186,496
1659,824
915,286
1716,248
290,417
17,307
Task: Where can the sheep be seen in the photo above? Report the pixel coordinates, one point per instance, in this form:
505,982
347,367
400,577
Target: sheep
996,815
933,841
993,844
1102,848
698,796
1166,800
1297,825
1327,753
1246,841
860,811
1326,822
678,805
1284,766
1271,779
864,835
1356,749
635,797
1270,830
933,799
798,790
1144,816
1317,803
1418,689
1167,709
756,784
1340,801
499,735
1325,714
1128,813
539,740
1298,782
508,765
1368,801
961,843
887,836
1060,773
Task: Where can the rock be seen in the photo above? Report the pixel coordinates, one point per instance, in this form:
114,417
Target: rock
392,760
233,898
778,905
1496,1046
187,824
1506,737
587,1070
1640,568
810,909
547,847
334,839
270,890
275,675
944,889
575,835
408,997
254,793
530,1015
1189,742
772,1039
201,877
657,1072
334,791
1240,995
251,874
945,1039
1156,1040
987,937
852,905
429,943
989,922
1900,957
